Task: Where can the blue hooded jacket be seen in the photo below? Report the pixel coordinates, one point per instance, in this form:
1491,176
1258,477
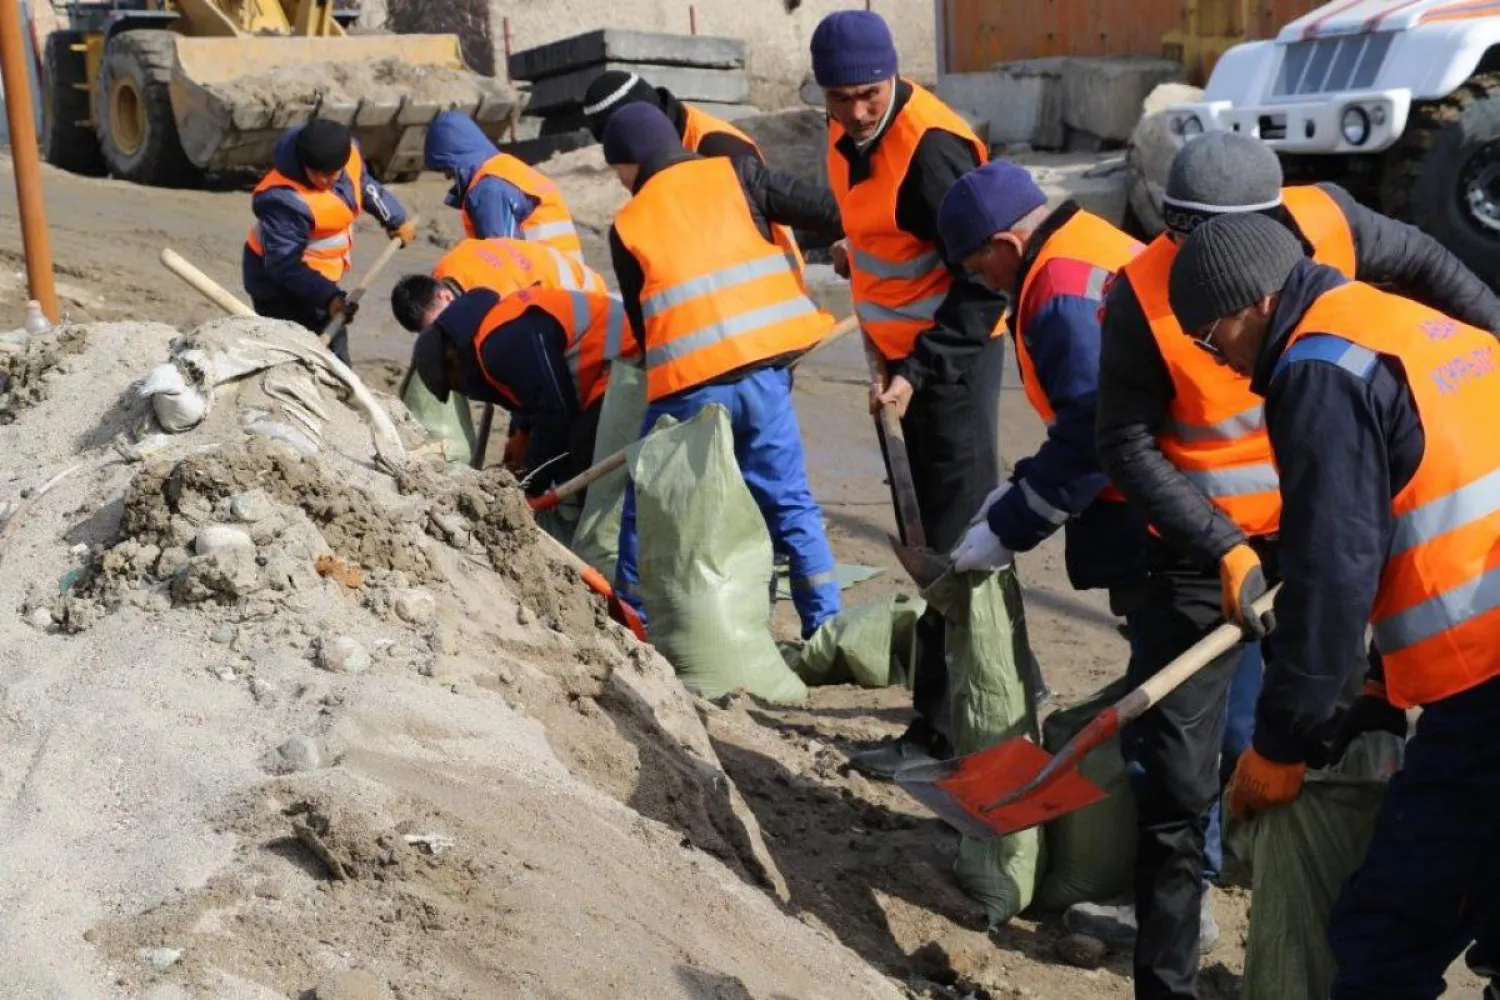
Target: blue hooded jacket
457,147
286,226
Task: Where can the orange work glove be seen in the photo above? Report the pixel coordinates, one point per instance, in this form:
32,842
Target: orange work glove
1243,582
515,451
406,232
1259,784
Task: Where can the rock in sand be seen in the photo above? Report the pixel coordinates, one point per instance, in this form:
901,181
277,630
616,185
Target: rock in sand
342,654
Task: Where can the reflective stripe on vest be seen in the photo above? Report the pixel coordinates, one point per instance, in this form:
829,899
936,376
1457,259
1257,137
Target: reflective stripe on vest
716,295
505,266
550,221
589,320
1089,240
1436,618
898,280
332,235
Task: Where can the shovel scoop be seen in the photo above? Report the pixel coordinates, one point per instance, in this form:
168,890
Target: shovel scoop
1015,784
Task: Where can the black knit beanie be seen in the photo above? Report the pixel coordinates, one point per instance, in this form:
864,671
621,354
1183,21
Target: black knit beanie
323,145
1228,263
609,92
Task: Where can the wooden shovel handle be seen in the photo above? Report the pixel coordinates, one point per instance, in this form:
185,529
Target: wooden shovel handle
358,292
897,458
206,286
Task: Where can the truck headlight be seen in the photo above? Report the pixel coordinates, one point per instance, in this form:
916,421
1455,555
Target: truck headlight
1355,126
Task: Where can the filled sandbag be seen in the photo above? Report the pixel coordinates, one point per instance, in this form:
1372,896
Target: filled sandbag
449,422
1091,852
596,539
872,645
987,651
705,561
1302,855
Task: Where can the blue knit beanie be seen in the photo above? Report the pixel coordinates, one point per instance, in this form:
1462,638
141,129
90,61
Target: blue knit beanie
852,47
638,132
984,202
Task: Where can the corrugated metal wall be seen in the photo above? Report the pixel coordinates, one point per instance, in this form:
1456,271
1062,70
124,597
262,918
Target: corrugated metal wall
981,33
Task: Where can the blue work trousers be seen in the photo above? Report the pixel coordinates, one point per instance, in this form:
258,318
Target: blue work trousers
1430,880
768,448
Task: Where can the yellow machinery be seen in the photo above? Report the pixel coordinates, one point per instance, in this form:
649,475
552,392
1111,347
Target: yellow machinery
161,91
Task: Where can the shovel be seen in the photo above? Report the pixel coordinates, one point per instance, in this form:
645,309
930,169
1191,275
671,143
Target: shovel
897,460
358,292
594,580
1016,784
604,467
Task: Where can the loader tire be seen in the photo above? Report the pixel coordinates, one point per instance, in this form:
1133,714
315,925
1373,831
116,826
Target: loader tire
65,104
1443,176
133,111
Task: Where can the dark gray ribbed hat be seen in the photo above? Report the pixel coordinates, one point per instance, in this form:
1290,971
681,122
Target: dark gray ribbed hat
1228,263
1217,173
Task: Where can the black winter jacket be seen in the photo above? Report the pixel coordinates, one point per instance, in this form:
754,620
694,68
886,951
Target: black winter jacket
1135,390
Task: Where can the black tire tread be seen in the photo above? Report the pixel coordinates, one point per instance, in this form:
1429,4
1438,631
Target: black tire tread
163,162
65,143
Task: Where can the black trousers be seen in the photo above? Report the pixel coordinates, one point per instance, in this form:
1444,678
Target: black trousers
313,317
1178,744
951,473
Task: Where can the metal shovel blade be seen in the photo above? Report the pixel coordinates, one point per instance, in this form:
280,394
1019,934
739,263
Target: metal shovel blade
923,565
964,791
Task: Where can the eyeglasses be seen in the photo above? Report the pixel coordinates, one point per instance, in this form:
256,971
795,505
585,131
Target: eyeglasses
1206,342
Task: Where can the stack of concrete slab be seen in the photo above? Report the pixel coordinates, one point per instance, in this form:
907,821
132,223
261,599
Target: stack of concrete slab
700,69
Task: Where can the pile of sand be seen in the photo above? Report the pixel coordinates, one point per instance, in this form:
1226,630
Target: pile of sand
381,82
281,724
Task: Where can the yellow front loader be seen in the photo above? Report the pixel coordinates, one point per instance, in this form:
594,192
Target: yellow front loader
163,91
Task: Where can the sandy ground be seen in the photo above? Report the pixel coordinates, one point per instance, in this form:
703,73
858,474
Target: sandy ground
864,865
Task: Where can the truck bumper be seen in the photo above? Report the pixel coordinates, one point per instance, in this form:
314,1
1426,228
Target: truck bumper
1314,126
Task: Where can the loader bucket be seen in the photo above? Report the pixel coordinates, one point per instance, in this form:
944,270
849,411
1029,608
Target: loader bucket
232,97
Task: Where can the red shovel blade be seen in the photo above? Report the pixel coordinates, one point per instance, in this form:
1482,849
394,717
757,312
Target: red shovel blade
963,791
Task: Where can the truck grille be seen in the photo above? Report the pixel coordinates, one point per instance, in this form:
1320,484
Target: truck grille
1326,65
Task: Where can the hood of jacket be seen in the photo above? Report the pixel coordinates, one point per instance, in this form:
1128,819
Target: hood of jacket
455,144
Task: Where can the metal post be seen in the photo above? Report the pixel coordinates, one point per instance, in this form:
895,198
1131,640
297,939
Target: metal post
692,19
28,161
505,27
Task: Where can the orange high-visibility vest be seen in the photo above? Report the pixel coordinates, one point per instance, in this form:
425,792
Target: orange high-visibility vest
1216,429
332,236
550,222
506,266
593,321
1088,239
1436,619
717,296
699,125
898,280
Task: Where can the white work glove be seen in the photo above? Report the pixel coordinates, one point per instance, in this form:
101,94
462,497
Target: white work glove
984,509
980,549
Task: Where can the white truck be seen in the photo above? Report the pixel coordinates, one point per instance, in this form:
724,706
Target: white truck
1399,100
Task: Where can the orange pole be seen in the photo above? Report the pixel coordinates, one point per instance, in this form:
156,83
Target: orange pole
25,152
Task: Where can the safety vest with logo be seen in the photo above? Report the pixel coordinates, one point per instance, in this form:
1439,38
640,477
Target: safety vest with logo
1437,614
594,323
898,280
1216,430
1088,240
550,222
717,296
507,266
332,236
699,125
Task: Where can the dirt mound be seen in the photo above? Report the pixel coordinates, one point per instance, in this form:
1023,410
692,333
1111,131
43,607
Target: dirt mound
360,731
259,96
26,363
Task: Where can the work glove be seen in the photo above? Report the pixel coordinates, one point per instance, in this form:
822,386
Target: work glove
980,549
983,513
515,451
1259,784
1243,582
341,306
406,233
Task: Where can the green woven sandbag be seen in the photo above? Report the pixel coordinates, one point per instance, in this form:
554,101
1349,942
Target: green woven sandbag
450,422
705,561
596,539
872,645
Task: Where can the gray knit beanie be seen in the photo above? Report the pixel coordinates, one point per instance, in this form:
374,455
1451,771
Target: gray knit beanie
1218,173
1228,263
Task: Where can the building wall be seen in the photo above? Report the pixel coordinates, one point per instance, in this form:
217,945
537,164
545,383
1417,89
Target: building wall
776,38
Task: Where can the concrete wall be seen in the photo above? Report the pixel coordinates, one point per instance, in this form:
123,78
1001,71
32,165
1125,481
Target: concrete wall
776,39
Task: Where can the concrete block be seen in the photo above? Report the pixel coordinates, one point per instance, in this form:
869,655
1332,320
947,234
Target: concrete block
615,45
1076,176
1103,97
727,112
565,92
1021,102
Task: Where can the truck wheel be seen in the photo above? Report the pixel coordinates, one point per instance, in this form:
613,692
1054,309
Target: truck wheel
133,111
65,103
1444,174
